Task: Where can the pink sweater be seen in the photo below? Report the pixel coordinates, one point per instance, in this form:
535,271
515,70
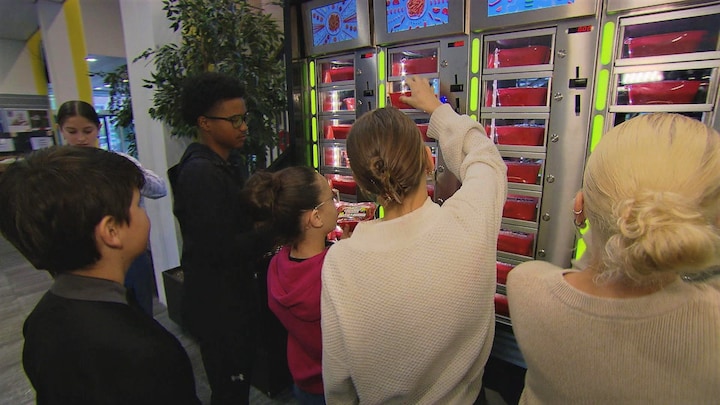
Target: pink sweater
294,297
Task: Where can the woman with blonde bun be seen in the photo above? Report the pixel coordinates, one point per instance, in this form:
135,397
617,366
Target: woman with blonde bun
627,328
407,302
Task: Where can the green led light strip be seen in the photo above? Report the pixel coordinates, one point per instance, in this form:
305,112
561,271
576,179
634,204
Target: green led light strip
601,89
381,65
475,56
312,73
313,126
313,102
474,91
606,46
382,97
598,125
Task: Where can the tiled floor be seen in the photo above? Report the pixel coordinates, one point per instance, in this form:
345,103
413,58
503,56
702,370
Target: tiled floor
21,286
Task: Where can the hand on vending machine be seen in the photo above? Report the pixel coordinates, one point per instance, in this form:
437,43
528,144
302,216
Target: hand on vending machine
422,95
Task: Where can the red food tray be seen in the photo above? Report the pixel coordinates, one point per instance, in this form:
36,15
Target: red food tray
423,131
522,172
415,66
339,131
515,242
349,103
431,191
665,44
339,74
502,271
529,55
667,92
518,97
520,207
501,305
395,101
523,135
344,184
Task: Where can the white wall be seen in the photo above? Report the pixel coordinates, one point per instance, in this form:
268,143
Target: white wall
16,70
103,27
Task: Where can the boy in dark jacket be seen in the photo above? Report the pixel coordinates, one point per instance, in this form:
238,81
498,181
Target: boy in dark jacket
220,303
75,212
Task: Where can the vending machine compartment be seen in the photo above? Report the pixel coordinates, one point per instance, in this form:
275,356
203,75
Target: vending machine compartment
334,100
503,269
523,170
531,48
345,184
340,69
336,129
501,305
672,33
664,86
335,155
521,92
400,88
516,132
520,243
521,207
414,60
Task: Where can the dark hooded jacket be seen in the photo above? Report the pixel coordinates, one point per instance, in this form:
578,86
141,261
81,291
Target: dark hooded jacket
220,248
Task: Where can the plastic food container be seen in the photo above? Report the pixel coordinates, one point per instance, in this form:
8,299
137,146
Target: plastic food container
667,92
515,242
339,74
522,172
520,207
529,55
423,131
502,271
349,214
523,135
431,190
339,131
395,101
344,184
415,66
518,97
665,44
501,305
349,103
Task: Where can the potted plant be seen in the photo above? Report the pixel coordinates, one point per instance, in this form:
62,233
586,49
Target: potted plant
228,36
120,104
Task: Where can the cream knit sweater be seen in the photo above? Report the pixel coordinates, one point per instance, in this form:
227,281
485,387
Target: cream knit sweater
662,348
407,304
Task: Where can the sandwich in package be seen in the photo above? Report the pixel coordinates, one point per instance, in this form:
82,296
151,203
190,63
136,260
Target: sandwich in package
349,214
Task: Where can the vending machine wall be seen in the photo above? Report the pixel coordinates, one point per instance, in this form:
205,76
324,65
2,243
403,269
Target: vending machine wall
342,73
346,88
657,59
424,38
531,85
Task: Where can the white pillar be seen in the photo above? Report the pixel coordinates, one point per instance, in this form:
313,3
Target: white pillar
145,26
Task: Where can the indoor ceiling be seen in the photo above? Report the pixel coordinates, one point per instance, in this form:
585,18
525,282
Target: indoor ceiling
18,21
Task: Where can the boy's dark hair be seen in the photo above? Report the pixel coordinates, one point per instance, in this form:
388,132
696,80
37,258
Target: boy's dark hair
75,108
203,92
277,200
51,202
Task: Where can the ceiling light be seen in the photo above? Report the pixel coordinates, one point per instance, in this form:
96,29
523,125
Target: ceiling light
89,59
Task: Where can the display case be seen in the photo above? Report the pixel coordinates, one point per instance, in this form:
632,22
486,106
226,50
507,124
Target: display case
663,61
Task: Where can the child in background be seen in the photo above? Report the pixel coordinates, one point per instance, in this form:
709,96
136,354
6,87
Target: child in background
298,204
75,212
80,125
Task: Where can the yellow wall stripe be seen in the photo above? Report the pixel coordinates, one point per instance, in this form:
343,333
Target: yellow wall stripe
34,47
76,39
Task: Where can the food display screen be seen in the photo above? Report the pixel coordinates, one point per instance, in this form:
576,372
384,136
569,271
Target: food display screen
501,7
404,15
336,22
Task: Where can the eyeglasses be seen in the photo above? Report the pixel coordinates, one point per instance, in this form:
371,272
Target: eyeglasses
235,120
335,198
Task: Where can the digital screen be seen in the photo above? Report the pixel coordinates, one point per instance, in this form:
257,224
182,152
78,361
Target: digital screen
404,15
500,7
334,23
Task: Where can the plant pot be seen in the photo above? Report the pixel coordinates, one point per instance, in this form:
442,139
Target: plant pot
173,281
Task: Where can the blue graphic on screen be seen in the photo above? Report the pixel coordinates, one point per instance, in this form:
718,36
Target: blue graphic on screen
334,23
500,7
403,15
